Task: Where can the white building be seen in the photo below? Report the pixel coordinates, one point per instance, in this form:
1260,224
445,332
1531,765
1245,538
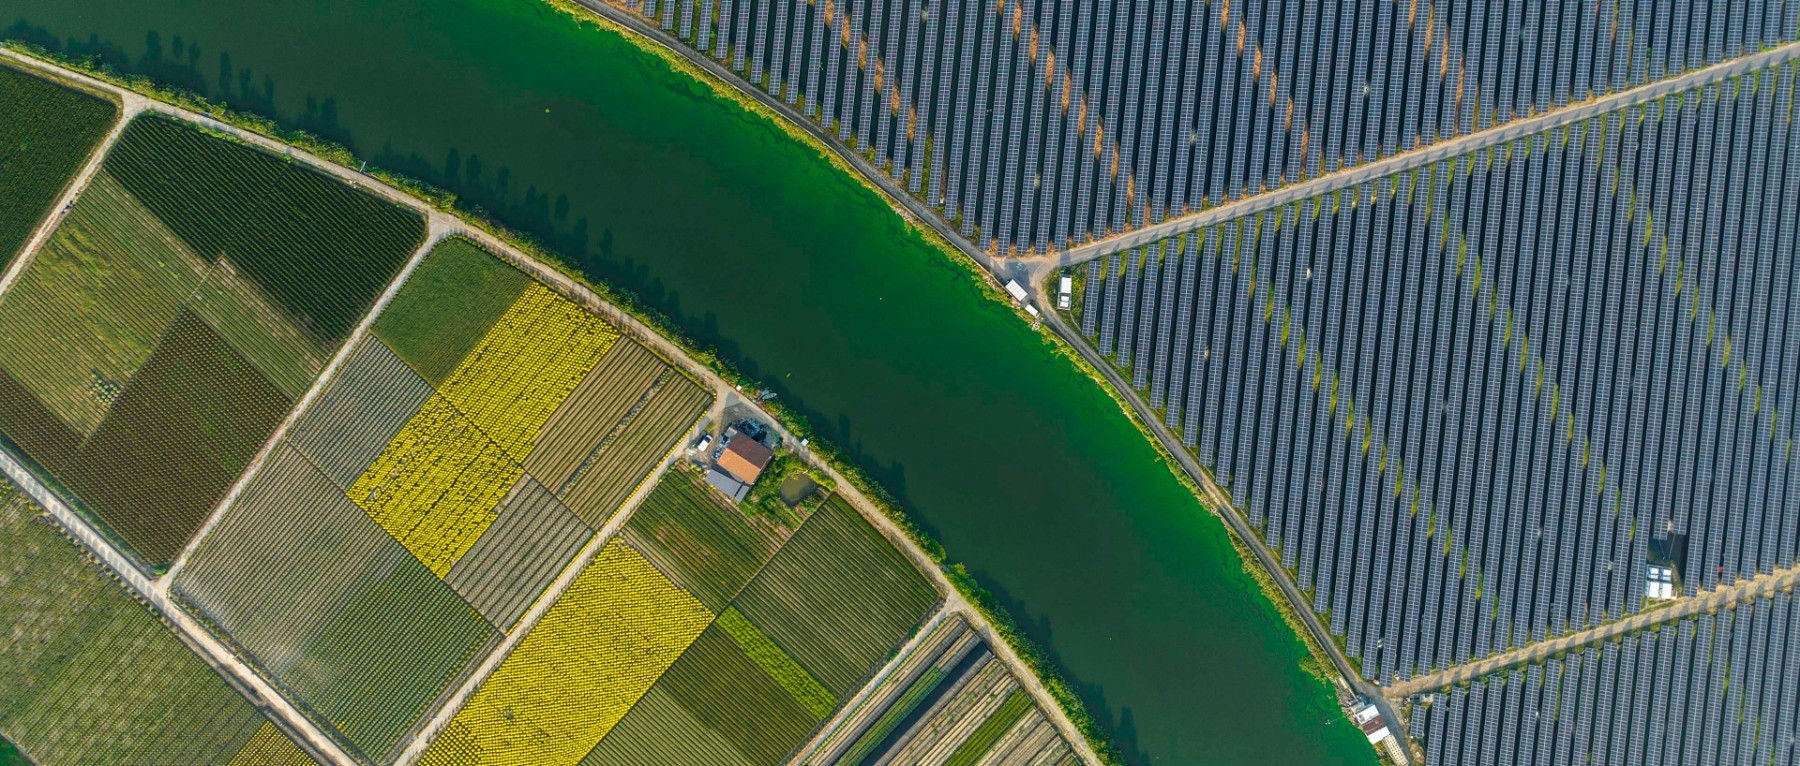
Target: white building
1017,292
1065,292
1659,581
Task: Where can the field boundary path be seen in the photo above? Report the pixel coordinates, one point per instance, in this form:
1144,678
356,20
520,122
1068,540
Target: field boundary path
1404,161
130,105
442,223
1751,589
226,663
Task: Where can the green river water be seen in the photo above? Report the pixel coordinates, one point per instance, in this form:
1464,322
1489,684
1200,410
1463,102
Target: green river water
1018,463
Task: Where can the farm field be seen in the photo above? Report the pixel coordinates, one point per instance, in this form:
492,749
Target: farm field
144,376
407,476
1464,402
1033,128
1713,688
731,687
949,700
88,675
46,132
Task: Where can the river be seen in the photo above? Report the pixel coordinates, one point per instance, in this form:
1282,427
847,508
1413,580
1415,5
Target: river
752,243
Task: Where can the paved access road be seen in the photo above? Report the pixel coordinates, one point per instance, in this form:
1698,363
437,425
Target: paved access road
1750,589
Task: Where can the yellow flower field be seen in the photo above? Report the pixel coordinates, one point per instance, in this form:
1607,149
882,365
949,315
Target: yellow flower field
269,747
436,486
621,624
526,365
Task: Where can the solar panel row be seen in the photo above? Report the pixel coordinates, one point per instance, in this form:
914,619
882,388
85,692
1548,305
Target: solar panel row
1037,124
1713,689
1461,401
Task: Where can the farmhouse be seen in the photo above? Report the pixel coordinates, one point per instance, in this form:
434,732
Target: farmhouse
744,458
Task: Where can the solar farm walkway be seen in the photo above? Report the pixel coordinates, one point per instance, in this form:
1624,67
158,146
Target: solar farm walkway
1761,586
1042,266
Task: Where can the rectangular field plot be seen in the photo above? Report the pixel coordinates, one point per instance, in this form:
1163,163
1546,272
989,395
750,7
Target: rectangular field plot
87,675
530,542
46,132
715,705
230,201
949,699
175,315
447,306
358,631
838,597
372,396
615,425
699,540
617,628
176,440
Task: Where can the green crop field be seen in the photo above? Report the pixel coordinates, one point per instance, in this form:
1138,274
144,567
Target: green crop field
177,439
331,606
234,202
728,701
46,132
193,294
702,543
777,664
997,724
532,540
87,675
447,305
838,597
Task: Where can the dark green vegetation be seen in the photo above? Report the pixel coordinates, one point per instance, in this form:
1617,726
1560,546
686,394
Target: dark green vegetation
173,318
700,541
1005,452
727,710
10,755
451,300
777,664
331,606
46,132
838,597
177,439
87,675
990,730
234,202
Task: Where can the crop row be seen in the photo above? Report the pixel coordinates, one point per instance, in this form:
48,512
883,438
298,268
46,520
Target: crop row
1716,688
1033,125
838,597
532,539
526,365
723,708
776,663
624,452
87,675
1461,401
705,545
450,302
356,630
233,201
594,654
437,486
48,132
370,398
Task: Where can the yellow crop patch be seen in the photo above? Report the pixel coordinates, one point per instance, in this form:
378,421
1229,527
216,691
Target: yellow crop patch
621,624
437,486
526,365
268,747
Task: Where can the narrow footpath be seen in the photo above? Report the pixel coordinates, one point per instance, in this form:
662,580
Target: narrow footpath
1723,597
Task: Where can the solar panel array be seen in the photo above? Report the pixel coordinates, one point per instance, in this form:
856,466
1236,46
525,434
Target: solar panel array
1715,689
1034,124
1460,401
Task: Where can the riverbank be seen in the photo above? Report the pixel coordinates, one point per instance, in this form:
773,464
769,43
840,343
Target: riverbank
714,217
